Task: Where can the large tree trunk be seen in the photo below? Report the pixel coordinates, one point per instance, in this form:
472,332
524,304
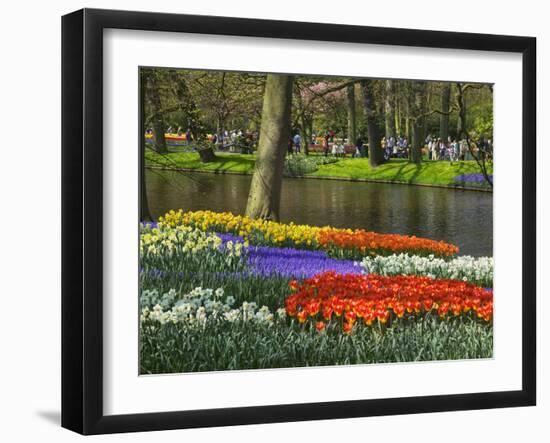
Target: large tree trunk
444,117
351,114
265,190
144,213
419,96
389,109
461,123
376,156
158,119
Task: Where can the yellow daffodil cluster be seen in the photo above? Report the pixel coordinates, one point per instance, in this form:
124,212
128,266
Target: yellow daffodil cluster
254,230
169,239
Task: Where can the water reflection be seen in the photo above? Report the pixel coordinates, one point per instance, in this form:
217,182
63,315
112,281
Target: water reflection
464,218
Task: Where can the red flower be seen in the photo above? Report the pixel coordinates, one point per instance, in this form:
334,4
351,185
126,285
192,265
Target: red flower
301,316
399,309
320,326
347,327
350,316
374,297
327,312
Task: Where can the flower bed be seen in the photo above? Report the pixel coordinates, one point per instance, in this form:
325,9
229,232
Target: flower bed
290,262
183,248
477,270
358,243
286,292
340,243
376,298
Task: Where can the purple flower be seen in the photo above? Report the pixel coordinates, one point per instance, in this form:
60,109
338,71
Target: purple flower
229,237
472,178
264,261
295,263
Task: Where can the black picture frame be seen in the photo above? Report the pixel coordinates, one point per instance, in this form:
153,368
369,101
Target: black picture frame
82,215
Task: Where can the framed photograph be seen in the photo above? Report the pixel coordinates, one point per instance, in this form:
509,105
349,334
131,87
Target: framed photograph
269,221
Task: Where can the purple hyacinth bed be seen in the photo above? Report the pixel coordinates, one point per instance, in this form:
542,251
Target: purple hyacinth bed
292,263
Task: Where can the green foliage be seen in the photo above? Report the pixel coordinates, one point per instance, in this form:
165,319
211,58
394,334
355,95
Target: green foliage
396,170
297,165
244,345
430,172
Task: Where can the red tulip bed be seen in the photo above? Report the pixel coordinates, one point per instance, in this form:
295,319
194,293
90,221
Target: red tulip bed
349,299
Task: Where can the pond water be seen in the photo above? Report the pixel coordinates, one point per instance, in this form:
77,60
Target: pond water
464,218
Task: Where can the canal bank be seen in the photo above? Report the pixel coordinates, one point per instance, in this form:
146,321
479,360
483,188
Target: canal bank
323,177
396,171
461,218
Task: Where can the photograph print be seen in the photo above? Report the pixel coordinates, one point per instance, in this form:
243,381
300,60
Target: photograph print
298,220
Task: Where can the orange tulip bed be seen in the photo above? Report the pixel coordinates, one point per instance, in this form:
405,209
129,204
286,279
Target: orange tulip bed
358,243
350,299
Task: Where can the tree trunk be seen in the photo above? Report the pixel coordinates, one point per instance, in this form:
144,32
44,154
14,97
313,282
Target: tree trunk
265,189
444,117
376,156
389,109
305,132
191,115
419,96
158,119
144,213
398,130
206,154
351,114
461,123
416,146
425,109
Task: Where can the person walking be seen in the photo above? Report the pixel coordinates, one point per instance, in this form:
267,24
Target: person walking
359,147
297,142
325,144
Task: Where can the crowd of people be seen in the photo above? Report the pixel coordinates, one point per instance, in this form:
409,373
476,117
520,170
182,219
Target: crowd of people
436,148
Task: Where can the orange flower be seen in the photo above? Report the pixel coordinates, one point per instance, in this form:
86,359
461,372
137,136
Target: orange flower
374,297
360,242
399,309
347,327
327,312
320,326
301,316
350,316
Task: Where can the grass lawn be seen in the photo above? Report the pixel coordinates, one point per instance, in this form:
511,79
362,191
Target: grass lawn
242,163
432,173
428,172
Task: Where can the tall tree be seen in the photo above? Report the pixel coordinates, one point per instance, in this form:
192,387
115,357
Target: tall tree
417,109
264,198
191,116
389,108
144,213
376,156
461,129
159,125
351,113
445,106
397,109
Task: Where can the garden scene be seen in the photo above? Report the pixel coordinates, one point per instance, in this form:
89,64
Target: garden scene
296,220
